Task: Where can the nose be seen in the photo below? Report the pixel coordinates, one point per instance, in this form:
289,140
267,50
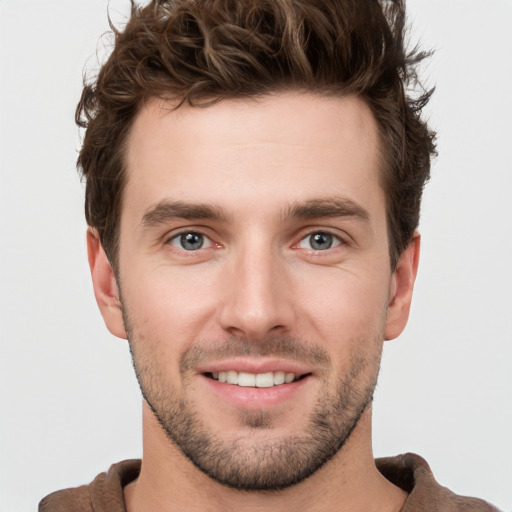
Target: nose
257,298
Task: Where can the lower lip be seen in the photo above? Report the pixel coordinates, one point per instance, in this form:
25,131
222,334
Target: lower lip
255,398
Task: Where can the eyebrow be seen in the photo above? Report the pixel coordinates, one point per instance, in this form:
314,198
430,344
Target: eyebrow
330,207
166,210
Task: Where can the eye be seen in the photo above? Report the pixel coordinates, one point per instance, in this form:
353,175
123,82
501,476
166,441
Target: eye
190,241
319,241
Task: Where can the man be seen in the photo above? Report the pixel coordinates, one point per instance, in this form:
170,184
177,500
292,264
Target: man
254,175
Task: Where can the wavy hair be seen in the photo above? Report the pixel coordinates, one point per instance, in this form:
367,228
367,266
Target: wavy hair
203,51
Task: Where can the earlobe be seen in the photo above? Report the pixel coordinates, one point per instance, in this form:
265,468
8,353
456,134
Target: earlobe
105,285
401,289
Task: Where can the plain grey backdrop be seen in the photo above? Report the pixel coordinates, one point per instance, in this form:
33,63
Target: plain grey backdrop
70,405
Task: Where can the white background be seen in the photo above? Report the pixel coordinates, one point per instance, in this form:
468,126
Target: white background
70,405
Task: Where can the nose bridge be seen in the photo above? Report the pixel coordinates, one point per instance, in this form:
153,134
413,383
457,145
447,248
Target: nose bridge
256,299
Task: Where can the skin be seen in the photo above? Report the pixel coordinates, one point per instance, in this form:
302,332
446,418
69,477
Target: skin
256,278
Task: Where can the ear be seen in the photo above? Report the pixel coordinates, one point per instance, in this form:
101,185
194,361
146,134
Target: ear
105,285
402,284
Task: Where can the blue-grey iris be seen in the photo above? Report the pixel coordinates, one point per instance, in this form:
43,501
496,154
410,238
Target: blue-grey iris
191,241
321,241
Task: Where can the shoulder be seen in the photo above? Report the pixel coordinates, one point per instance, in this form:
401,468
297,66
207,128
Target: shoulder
412,473
104,493
67,500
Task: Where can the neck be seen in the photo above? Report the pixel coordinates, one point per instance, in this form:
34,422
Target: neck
350,481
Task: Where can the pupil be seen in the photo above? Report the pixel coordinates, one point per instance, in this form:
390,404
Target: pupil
192,241
321,241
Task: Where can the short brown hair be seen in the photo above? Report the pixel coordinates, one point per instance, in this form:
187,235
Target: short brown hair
203,51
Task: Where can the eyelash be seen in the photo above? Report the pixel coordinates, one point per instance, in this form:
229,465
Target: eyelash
178,238
336,240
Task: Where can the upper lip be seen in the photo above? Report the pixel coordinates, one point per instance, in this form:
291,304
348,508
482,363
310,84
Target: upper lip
255,365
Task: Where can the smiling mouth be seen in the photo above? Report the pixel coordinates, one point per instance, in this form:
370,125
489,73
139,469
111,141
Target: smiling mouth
255,380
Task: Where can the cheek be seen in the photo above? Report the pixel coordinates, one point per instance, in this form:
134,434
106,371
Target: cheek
171,305
347,307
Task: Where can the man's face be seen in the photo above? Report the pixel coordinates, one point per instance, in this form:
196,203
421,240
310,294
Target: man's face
253,249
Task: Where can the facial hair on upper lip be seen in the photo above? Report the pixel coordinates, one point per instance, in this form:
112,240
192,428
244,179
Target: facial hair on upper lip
283,347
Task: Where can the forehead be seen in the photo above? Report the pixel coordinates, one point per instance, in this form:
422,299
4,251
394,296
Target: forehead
283,148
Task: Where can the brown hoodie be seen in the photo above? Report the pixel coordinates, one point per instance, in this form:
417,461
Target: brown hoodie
409,472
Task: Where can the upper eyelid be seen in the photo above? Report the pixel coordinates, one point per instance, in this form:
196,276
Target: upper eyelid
303,233
182,251
342,236
173,233
187,232
338,238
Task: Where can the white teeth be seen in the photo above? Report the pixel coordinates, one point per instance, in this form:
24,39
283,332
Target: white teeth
279,378
246,379
259,380
265,380
232,377
289,377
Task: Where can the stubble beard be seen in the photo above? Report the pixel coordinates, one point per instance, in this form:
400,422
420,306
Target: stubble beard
252,461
